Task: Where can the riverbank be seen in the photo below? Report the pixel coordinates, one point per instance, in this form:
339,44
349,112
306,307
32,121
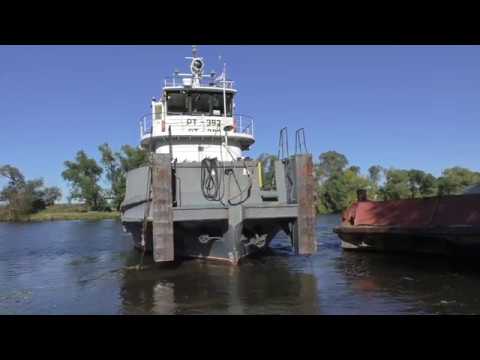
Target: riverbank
63,212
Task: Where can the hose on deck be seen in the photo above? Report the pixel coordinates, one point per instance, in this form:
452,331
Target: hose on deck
210,181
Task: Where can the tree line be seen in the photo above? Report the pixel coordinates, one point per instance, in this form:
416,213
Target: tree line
24,196
83,174
337,182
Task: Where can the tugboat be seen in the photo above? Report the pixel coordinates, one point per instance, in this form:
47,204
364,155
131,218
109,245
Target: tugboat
199,196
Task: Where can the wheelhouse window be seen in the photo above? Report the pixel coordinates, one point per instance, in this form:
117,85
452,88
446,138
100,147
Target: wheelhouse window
177,103
197,103
229,104
217,104
200,103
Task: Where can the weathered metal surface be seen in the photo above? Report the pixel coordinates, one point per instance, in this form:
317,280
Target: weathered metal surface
163,246
397,230
399,212
435,211
289,211
439,241
458,210
136,189
196,227
304,228
280,181
200,213
234,233
447,225
260,211
188,183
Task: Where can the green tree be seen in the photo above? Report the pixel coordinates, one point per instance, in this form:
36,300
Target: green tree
14,192
22,196
374,174
415,179
428,186
114,174
34,195
116,165
268,170
354,169
51,194
455,180
397,185
331,163
132,157
14,176
84,174
338,189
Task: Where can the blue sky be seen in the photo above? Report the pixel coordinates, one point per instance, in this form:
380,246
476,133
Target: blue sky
396,106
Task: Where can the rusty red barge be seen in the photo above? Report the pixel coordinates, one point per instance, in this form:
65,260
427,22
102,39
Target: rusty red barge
447,225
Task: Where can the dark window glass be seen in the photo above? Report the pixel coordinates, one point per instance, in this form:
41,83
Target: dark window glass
176,103
217,104
200,103
229,104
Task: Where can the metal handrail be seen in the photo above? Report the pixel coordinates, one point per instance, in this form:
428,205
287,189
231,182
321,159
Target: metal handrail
244,125
300,143
205,82
283,143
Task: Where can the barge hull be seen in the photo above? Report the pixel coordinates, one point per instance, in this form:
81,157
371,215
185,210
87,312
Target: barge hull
440,241
447,225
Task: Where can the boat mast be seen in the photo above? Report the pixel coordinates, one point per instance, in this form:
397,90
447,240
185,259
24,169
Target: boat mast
225,99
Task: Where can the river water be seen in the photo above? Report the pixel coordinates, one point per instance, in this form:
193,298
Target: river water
81,267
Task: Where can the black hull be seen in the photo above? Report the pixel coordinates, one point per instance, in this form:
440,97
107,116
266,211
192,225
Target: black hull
219,246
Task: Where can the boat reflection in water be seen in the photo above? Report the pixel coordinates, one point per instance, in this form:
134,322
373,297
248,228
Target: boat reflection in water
81,268
260,286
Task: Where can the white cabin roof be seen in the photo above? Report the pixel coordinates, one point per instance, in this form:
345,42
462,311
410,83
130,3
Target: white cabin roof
201,88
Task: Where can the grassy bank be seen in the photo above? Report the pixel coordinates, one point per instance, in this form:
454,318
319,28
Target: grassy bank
64,212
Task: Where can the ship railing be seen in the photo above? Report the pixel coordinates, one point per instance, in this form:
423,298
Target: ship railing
146,126
206,82
243,125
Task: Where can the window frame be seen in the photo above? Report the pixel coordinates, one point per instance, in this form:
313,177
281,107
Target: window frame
188,95
186,100
200,93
